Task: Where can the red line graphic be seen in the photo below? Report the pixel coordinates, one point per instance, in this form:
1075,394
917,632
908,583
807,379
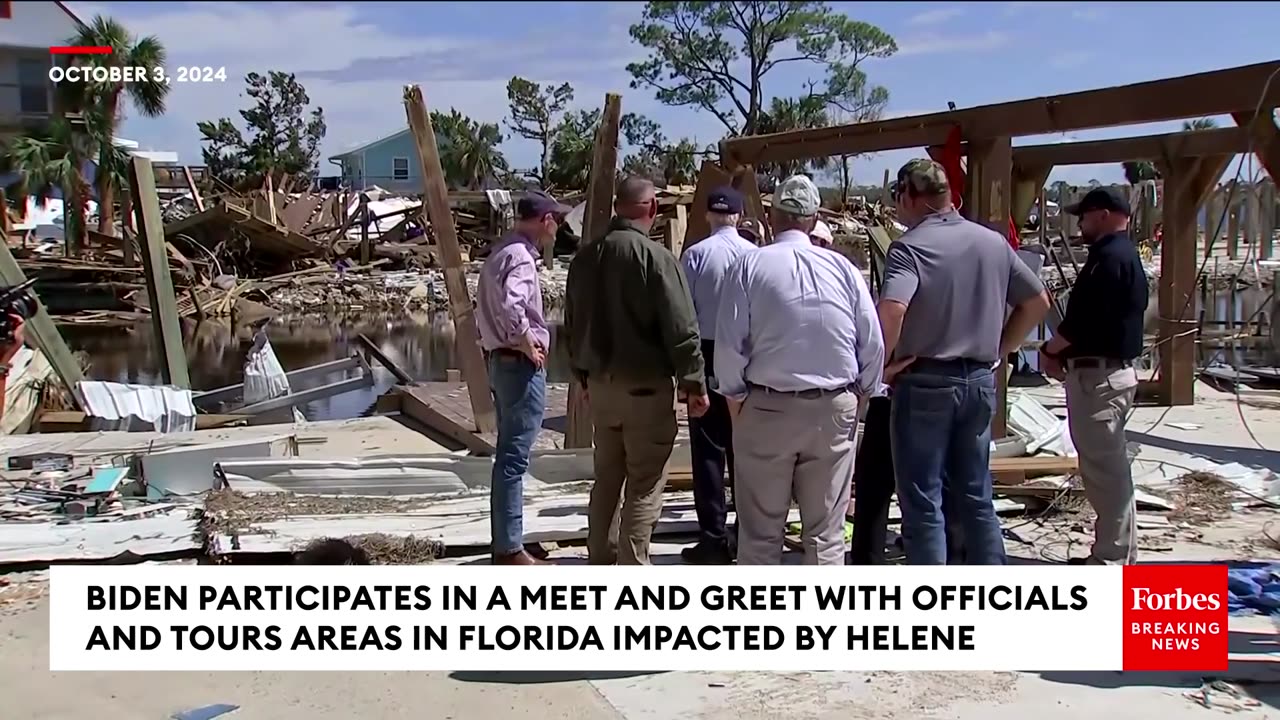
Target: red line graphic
80,50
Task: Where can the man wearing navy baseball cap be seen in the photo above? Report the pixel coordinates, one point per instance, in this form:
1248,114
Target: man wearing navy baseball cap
514,335
1093,352
711,436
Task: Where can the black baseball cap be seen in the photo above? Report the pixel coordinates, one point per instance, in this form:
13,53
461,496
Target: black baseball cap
725,200
1100,198
536,203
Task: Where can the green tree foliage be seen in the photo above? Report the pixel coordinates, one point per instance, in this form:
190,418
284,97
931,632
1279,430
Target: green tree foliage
1199,124
469,153
536,114
1136,171
100,102
654,157
283,133
716,55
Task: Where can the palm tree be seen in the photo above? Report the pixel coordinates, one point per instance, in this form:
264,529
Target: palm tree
1199,124
474,153
1136,171
49,160
101,101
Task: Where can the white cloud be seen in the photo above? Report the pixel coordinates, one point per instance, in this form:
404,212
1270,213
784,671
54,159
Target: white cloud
1071,59
351,67
937,43
934,17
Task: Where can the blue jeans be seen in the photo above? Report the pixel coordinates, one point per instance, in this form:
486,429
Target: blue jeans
941,427
519,399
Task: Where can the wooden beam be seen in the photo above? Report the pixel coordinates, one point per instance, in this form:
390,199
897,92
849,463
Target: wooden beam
155,264
596,217
710,177
747,182
1203,94
366,245
677,228
988,188
436,201
1264,136
128,233
191,188
1191,143
1188,183
39,328
1028,184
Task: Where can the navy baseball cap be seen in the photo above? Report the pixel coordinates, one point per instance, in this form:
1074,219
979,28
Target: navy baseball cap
1100,198
725,200
536,203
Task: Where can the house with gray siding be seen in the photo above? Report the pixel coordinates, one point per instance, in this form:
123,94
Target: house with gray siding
27,31
390,163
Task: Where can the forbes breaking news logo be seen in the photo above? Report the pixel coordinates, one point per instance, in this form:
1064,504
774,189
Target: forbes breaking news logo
1175,617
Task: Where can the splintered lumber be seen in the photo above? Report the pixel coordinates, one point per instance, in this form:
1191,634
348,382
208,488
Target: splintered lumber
40,328
155,261
1014,470
191,188
596,217
436,199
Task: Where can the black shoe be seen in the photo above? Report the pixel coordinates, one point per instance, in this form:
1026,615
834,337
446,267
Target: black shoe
1078,560
707,553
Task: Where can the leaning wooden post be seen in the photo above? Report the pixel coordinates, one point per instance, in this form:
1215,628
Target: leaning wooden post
366,247
155,263
436,200
596,217
40,328
989,191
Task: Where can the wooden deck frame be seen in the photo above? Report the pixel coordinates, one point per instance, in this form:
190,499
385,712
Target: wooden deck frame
995,167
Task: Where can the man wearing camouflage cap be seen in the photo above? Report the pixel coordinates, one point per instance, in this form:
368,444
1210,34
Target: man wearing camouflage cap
947,287
797,345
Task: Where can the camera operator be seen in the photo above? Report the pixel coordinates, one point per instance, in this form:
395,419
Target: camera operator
7,351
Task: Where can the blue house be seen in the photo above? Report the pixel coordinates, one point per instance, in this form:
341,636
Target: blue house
389,163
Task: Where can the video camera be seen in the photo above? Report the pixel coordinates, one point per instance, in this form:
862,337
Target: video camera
16,301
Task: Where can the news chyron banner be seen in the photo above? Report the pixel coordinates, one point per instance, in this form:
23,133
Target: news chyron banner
211,618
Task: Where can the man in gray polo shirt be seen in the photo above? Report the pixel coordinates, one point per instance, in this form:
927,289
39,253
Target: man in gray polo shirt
947,286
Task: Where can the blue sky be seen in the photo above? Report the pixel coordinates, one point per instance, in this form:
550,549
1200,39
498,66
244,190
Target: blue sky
354,59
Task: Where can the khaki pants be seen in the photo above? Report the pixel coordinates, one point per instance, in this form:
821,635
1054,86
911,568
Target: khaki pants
1098,403
790,446
635,428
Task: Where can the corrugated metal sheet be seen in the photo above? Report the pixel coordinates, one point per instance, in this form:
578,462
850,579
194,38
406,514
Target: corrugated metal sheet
173,531
117,406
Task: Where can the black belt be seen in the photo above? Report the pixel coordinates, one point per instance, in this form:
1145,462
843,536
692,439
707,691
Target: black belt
1097,363
507,352
808,394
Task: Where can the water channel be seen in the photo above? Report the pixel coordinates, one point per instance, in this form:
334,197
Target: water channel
422,345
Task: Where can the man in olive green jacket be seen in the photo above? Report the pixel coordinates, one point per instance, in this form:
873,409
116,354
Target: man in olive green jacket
633,342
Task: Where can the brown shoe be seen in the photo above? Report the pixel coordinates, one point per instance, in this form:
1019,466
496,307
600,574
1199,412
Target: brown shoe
519,558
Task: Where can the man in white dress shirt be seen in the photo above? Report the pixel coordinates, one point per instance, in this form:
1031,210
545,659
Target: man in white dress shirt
797,344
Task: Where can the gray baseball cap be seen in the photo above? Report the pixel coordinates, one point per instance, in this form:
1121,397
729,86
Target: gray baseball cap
798,196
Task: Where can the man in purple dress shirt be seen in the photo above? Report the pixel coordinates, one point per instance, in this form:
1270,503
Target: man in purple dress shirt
513,333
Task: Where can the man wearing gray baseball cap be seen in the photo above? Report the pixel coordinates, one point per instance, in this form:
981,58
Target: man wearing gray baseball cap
797,346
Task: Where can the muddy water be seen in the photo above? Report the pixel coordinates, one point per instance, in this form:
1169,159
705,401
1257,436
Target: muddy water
422,345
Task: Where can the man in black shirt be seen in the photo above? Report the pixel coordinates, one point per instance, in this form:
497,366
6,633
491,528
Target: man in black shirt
1093,352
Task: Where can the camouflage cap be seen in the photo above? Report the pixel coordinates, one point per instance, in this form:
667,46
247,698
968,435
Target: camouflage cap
923,177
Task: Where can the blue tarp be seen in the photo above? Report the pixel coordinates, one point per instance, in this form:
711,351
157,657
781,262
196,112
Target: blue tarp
1254,589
